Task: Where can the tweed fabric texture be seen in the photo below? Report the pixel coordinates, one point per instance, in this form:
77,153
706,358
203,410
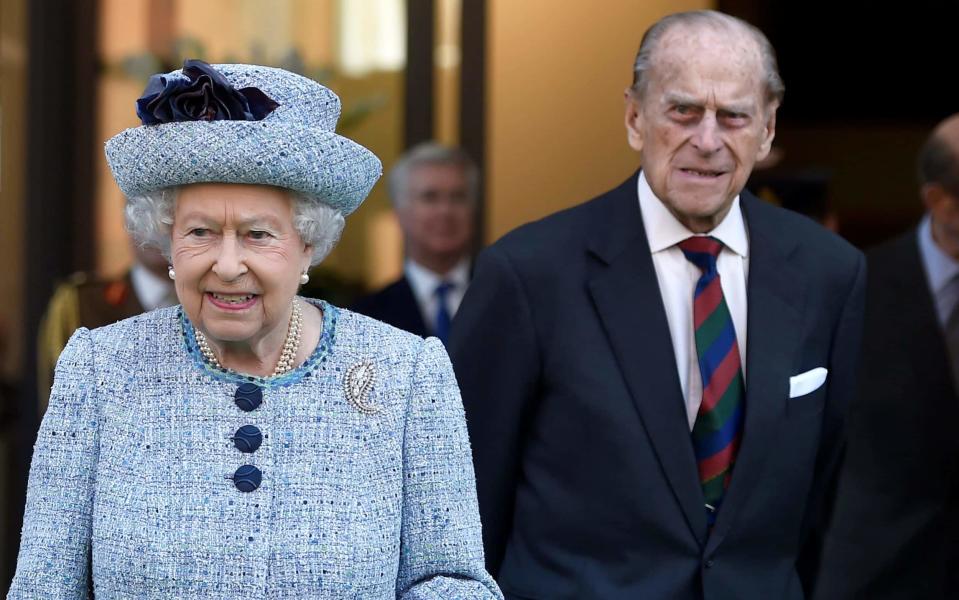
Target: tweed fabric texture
294,147
129,483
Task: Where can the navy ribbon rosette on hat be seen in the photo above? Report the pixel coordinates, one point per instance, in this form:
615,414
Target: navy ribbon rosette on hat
204,95
241,124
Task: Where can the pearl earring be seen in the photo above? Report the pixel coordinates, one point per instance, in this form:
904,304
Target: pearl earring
170,272
304,278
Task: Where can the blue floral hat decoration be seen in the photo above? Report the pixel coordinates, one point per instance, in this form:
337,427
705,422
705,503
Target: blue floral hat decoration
241,124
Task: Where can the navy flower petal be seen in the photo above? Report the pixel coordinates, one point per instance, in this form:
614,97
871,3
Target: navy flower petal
260,104
194,69
205,95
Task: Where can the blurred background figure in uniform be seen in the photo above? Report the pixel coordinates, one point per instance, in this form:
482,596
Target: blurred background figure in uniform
85,300
434,190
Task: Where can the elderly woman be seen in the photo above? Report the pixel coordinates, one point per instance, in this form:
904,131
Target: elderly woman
248,443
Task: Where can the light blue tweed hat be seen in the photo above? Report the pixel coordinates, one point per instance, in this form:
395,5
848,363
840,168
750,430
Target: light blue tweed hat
241,124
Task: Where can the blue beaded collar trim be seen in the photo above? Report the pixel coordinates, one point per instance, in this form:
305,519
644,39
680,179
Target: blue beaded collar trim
316,359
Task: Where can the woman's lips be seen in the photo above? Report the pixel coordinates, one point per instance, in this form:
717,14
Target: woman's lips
232,301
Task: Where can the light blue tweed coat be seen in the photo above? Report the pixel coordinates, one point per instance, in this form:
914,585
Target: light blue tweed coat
131,487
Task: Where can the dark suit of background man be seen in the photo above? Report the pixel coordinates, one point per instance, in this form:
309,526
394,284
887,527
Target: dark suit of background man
605,468
433,189
895,531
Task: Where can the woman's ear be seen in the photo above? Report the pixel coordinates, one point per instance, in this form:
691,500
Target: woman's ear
307,257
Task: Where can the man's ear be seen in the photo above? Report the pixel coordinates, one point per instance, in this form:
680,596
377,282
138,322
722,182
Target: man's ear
769,131
934,197
634,121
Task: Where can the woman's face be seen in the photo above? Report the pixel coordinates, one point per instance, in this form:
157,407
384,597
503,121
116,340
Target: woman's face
238,260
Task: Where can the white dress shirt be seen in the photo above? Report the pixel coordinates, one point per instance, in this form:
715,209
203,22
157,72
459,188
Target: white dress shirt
942,272
151,290
424,283
677,279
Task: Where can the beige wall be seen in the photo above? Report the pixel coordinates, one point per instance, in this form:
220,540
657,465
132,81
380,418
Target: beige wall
555,133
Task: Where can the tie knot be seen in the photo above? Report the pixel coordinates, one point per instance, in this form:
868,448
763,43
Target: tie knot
442,289
702,251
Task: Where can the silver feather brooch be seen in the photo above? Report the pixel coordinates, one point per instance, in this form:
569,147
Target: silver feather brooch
357,383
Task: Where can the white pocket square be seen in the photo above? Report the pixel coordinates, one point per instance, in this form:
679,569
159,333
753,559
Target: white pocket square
805,383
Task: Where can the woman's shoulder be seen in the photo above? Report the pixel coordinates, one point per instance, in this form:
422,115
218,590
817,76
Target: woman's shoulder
158,326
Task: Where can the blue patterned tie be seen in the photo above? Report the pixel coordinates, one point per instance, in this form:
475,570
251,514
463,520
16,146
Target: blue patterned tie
441,328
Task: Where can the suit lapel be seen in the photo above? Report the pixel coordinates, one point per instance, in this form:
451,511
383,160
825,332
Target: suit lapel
627,297
775,296
905,272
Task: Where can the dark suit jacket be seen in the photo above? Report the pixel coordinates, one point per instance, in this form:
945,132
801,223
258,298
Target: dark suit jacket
395,304
895,532
587,481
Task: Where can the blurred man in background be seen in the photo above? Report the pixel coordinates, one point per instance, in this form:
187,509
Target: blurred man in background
433,189
895,527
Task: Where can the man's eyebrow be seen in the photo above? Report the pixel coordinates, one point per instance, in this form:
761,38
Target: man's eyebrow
743,108
739,107
676,98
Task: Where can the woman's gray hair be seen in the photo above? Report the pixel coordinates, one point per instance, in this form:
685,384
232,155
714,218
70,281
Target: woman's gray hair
149,219
775,89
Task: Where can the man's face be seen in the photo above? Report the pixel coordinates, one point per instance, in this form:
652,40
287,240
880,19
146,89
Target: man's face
702,122
944,208
437,213
942,201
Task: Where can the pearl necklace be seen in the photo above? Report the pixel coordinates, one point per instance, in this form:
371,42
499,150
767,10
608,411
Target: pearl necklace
290,347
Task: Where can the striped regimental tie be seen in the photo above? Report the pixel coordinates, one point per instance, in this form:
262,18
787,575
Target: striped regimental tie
719,422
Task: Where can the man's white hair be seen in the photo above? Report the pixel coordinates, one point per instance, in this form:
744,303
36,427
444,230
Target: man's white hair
774,87
430,153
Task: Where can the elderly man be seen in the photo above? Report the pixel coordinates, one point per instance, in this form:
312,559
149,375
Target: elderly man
655,381
899,489
433,188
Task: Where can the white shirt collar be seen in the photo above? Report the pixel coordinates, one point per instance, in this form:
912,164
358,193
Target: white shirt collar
940,267
152,290
424,282
663,230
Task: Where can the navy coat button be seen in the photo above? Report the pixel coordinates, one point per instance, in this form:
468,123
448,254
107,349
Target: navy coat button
248,396
247,478
247,438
